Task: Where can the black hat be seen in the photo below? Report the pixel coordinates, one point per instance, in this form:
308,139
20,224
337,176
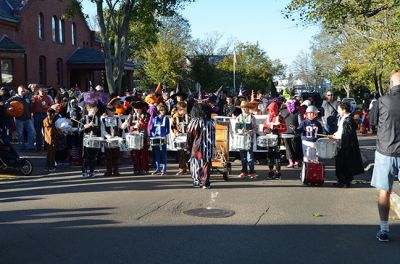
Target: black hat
242,92
179,92
139,105
201,97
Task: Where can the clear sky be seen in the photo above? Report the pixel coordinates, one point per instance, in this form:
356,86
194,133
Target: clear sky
247,21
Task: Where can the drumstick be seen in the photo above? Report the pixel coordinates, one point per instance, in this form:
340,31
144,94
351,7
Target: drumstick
323,135
79,122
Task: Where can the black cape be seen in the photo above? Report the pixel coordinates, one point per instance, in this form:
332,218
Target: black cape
348,160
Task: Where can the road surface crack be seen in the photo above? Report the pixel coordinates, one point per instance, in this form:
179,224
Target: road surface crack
152,211
261,216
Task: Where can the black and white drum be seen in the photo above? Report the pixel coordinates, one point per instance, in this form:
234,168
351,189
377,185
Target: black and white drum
241,142
114,142
180,142
158,141
135,141
326,148
92,142
267,141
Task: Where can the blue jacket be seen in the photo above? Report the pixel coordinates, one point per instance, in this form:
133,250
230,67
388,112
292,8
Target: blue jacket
309,130
160,126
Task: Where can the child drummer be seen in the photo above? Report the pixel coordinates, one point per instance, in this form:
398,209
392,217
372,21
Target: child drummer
91,127
309,130
246,125
111,128
179,123
138,122
160,129
274,124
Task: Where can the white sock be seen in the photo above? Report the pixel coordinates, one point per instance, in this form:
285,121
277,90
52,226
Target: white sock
384,226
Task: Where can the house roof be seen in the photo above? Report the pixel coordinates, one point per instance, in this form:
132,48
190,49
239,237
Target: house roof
7,44
8,9
91,56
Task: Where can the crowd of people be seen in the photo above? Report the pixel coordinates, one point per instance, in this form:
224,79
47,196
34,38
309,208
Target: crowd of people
99,116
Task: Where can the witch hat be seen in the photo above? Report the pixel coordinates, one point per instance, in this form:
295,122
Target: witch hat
242,92
200,95
218,94
158,90
179,92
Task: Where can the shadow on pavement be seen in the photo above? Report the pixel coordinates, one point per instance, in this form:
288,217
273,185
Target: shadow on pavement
95,241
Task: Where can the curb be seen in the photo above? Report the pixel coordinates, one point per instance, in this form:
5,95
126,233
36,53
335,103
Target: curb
395,203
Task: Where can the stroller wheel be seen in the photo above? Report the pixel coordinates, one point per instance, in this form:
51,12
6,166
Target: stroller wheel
25,167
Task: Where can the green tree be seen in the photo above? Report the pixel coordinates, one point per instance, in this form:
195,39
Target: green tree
114,19
253,68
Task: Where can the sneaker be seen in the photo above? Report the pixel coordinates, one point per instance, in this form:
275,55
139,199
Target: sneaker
163,173
290,166
271,174
383,236
51,169
85,175
92,175
277,175
206,187
253,176
196,184
242,175
156,173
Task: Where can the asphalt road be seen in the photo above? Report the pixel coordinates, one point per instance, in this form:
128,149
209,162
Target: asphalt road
63,218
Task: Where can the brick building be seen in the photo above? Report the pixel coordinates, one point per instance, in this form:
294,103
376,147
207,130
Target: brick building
39,45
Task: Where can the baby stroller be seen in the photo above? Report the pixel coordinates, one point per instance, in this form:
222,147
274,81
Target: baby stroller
9,158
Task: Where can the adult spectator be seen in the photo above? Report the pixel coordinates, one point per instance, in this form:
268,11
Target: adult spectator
386,117
40,103
330,114
229,107
25,120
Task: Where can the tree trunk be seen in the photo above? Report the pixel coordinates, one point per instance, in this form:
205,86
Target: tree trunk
380,84
376,83
108,65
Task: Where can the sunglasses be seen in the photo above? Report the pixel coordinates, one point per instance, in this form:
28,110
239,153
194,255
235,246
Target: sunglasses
328,95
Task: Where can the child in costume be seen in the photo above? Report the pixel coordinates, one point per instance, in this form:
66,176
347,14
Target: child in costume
160,128
179,123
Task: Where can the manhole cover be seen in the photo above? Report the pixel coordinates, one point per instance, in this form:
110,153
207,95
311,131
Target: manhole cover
210,213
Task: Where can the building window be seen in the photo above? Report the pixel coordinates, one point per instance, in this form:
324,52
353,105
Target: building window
73,34
6,71
61,29
59,71
42,70
54,28
41,26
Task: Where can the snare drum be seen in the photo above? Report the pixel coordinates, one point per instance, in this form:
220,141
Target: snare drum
114,142
158,141
241,142
135,141
180,142
326,148
92,142
266,141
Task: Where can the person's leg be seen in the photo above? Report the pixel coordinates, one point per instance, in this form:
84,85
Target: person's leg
93,161
109,164
20,133
116,156
38,124
85,164
385,169
243,158
250,161
30,129
157,154
164,157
